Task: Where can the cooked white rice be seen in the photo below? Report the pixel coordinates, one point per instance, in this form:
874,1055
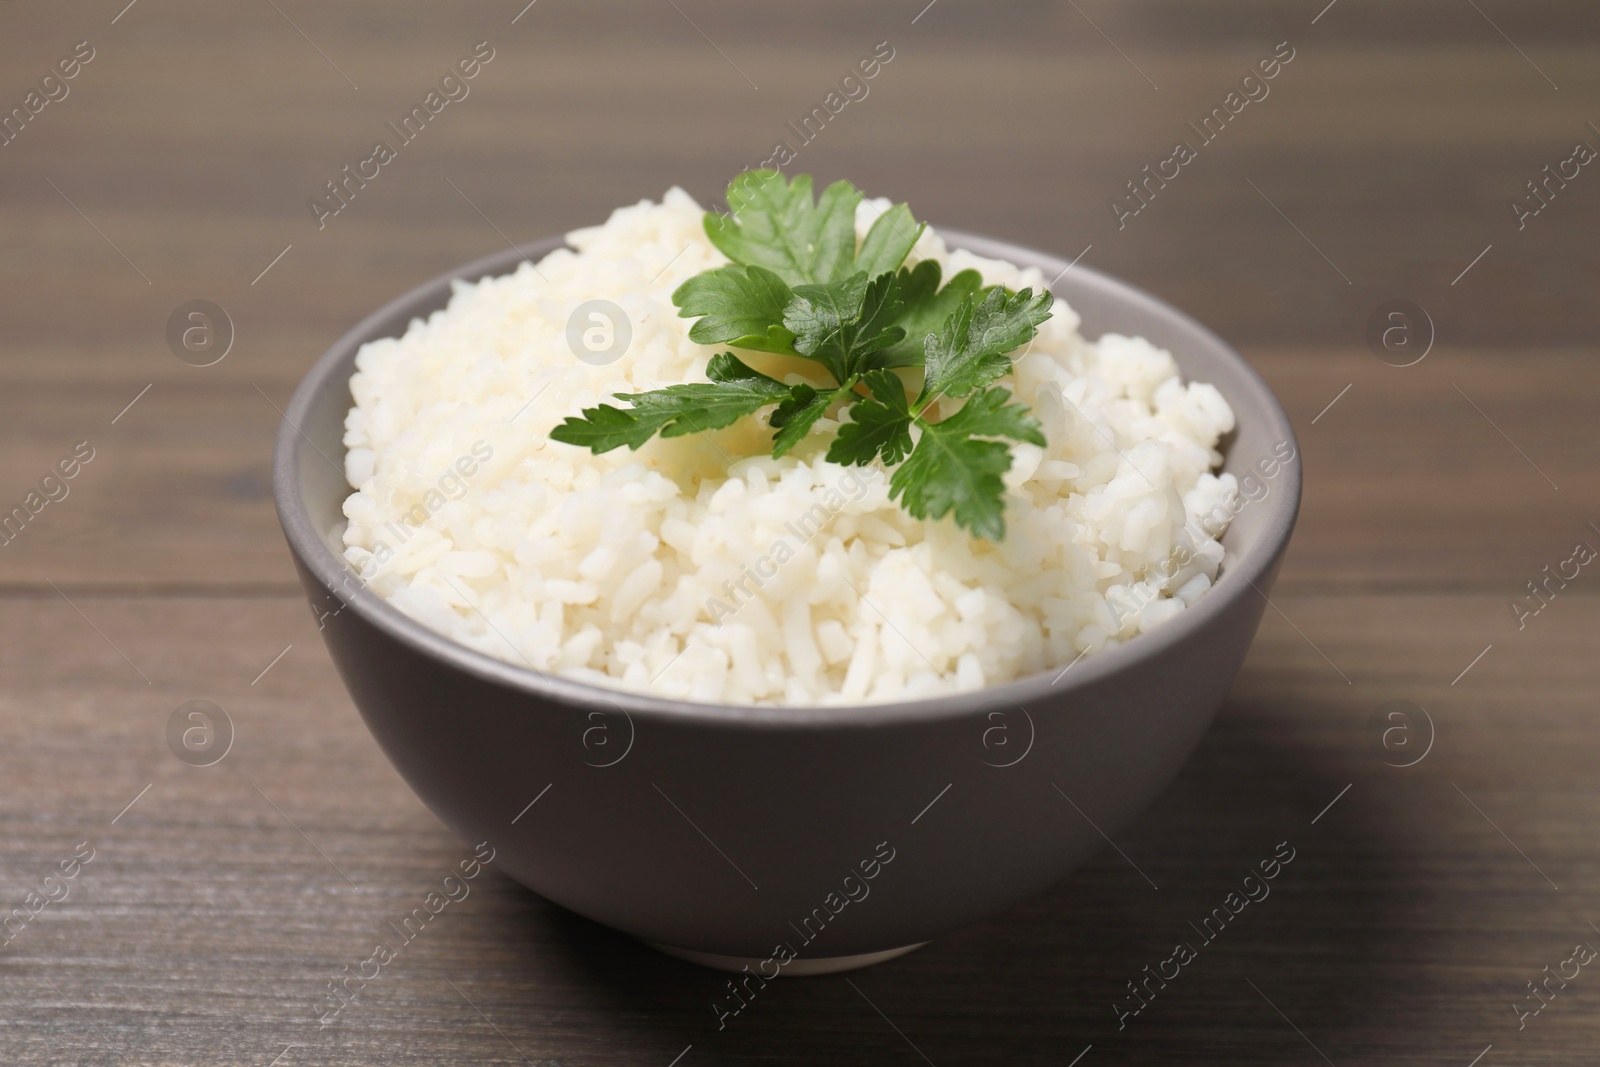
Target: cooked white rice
702,568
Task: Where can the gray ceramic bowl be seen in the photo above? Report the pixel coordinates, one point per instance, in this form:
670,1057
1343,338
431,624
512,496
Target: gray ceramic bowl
838,836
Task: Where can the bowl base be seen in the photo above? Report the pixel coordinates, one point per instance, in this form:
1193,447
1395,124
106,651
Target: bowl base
796,968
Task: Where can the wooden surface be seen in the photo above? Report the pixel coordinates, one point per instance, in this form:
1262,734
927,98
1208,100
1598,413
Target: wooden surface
217,907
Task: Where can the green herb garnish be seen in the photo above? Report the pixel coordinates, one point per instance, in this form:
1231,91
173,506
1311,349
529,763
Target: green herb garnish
799,286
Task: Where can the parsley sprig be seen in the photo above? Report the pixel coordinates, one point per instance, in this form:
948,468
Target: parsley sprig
799,285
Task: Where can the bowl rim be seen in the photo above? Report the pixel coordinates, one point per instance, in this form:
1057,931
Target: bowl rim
1242,577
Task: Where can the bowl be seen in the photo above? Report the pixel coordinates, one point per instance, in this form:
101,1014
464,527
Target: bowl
791,840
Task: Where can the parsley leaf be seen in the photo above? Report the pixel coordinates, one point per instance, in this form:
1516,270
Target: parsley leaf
776,225
605,427
973,347
796,415
735,390
926,308
879,426
888,241
987,414
798,285
842,324
737,305
951,469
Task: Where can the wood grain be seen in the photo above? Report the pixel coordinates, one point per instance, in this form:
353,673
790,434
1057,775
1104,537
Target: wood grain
206,927
221,902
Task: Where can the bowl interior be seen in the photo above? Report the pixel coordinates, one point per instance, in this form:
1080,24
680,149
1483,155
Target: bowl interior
310,487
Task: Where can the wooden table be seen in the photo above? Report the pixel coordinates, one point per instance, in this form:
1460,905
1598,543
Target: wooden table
1381,166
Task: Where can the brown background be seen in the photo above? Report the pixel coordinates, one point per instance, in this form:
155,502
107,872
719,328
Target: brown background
204,929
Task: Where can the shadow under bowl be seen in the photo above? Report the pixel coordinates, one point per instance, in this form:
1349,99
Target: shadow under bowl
730,834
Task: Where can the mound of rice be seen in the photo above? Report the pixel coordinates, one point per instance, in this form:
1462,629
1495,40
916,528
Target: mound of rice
702,568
